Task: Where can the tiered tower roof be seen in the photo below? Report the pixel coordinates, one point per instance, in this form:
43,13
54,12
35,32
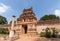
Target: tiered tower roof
27,14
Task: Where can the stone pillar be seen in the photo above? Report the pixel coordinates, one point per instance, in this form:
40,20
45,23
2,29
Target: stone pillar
12,25
20,27
12,28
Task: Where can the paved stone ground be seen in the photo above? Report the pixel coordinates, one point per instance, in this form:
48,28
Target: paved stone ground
31,38
54,39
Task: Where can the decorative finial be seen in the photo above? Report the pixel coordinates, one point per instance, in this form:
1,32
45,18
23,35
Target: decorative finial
31,7
13,16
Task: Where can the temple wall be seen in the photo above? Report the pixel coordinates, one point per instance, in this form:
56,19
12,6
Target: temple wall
40,27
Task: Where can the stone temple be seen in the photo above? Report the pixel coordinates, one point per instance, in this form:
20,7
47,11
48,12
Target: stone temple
27,23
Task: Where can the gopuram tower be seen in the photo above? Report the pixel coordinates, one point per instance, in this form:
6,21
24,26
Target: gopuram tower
26,22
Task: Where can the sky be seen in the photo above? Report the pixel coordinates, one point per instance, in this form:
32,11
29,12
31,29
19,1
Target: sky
40,7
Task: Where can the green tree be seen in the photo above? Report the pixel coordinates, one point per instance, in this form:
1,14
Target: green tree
49,17
3,20
54,32
50,32
47,33
4,31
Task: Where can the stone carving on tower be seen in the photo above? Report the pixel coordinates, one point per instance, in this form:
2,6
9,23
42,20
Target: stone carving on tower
27,15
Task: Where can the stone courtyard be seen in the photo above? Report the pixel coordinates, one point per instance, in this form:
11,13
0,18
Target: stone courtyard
26,37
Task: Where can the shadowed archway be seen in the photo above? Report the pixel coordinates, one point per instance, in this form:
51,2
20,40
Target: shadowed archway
25,28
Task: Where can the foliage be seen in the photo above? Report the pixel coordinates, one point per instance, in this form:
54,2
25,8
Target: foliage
54,33
3,20
4,31
42,34
49,17
58,36
50,33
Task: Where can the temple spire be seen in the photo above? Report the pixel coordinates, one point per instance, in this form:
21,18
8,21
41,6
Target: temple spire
27,14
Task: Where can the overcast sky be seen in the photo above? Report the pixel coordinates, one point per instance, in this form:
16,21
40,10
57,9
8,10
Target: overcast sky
40,7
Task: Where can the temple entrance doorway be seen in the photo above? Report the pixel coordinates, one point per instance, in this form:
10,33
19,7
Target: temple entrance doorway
24,29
